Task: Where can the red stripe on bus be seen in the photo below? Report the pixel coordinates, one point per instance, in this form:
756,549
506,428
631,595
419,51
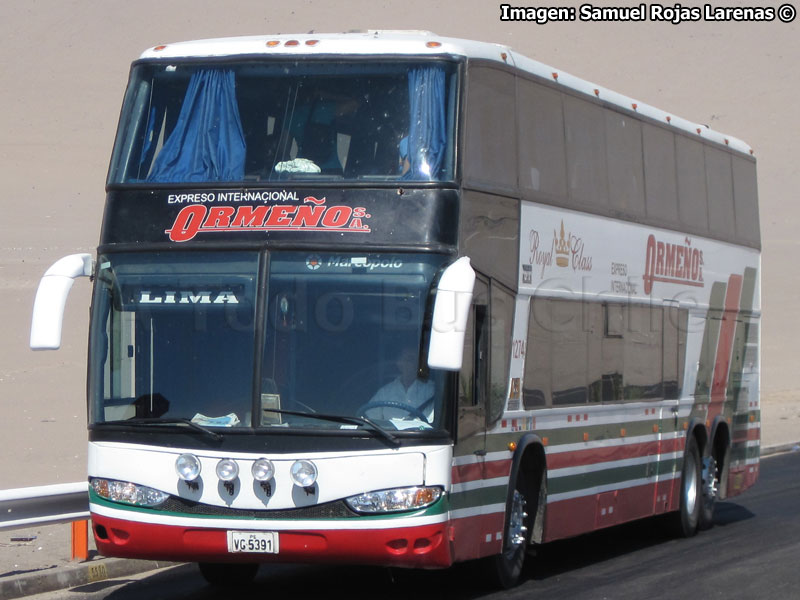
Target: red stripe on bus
476,471
747,435
592,456
725,346
576,458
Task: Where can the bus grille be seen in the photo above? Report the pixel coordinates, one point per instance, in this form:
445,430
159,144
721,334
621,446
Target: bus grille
329,510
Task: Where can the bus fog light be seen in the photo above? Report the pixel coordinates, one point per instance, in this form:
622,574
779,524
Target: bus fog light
127,492
304,473
263,470
188,467
385,501
227,469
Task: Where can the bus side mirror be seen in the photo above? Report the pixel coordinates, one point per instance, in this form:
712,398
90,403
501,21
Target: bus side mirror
450,313
51,297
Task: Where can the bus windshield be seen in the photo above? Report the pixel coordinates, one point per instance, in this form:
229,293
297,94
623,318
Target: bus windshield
257,121
180,336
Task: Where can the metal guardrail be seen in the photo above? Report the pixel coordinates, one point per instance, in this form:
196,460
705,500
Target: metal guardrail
44,505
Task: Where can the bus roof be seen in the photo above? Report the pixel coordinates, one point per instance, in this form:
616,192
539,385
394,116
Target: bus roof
420,43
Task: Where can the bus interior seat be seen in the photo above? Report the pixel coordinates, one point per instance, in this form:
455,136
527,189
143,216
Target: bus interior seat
320,146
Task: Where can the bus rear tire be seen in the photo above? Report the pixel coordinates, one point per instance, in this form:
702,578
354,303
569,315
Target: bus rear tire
687,519
228,574
715,483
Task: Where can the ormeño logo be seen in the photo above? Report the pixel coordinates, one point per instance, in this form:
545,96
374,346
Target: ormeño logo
672,263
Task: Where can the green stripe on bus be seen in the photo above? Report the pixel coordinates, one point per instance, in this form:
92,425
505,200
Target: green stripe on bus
479,497
617,475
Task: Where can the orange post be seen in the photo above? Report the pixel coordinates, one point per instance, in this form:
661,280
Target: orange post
80,540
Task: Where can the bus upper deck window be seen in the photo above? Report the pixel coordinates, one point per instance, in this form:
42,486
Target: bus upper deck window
273,121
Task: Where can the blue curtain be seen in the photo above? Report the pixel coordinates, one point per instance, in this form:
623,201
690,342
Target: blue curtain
426,135
207,143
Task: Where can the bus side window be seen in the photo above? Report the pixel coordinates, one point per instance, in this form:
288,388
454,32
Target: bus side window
643,362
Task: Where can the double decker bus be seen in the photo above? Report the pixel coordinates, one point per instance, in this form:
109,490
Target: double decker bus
397,299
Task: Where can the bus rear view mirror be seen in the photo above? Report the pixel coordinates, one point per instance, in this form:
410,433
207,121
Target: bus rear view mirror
51,297
450,313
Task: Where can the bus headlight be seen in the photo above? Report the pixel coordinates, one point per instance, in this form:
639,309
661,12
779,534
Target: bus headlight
397,500
304,473
129,493
227,469
262,470
188,467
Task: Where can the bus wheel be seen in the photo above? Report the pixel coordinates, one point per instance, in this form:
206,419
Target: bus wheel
228,574
713,486
688,516
505,568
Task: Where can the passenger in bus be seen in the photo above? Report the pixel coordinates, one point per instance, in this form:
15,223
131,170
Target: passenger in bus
405,164
405,389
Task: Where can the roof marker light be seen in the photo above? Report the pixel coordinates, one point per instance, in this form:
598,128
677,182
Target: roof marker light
312,42
555,76
752,151
273,43
596,92
669,119
727,142
635,106
433,44
504,56
698,131
291,43
159,48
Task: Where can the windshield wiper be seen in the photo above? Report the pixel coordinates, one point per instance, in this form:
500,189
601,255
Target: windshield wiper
363,421
174,421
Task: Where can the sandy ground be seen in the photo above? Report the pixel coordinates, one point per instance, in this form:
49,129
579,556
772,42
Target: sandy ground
64,71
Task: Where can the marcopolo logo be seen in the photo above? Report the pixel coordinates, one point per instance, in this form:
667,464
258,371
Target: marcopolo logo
672,263
313,215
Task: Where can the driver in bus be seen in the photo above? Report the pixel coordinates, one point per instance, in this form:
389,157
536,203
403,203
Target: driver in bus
405,389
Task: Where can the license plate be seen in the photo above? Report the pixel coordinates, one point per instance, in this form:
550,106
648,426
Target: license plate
260,542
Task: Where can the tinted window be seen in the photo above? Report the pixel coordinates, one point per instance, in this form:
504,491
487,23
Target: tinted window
746,199
625,169
720,192
659,172
275,121
491,135
587,175
693,204
542,163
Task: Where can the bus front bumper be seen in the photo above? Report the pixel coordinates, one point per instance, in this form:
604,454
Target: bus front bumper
422,546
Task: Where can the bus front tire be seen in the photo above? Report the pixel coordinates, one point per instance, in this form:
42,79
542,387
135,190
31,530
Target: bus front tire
505,568
228,574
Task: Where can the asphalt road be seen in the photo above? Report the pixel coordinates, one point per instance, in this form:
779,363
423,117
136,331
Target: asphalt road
751,552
